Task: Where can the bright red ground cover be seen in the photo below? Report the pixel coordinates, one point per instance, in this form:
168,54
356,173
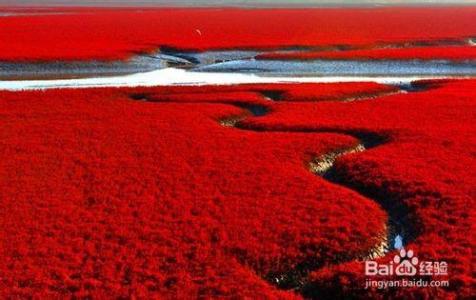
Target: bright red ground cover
257,93
103,195
119,33
426,166
451,53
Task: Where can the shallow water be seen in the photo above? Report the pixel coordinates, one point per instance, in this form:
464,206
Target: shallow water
78,69
235,61
172,76
345,67
169,67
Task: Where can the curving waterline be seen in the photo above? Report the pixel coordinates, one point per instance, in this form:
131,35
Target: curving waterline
180,77
397,225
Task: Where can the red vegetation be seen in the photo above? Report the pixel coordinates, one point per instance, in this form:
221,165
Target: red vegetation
425,166
103,195
115,33
265,92
106,196
451,53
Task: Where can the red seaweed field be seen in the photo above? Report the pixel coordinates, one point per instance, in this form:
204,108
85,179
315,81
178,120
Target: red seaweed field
283,190
118,33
